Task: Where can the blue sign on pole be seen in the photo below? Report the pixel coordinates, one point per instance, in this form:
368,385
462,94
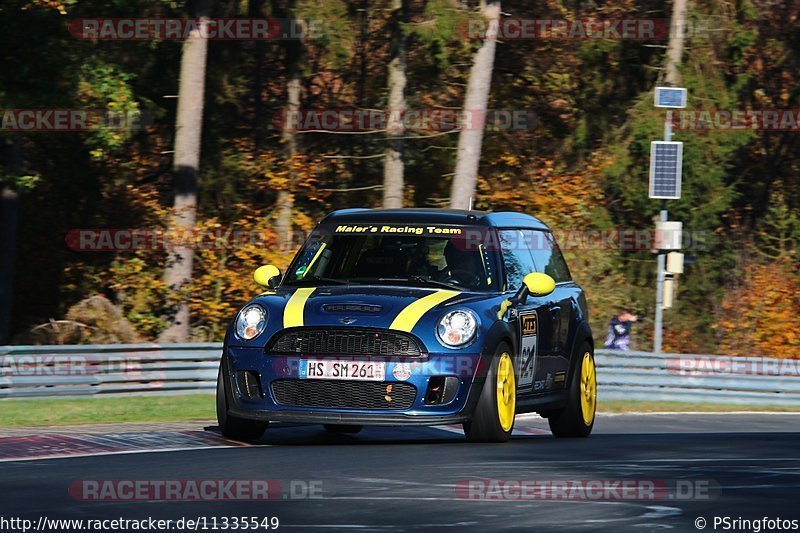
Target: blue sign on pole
670,97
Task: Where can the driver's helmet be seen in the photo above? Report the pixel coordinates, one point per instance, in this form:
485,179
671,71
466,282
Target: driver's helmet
460,259
402,243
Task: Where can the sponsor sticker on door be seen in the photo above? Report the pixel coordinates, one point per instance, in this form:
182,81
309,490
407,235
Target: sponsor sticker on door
529,327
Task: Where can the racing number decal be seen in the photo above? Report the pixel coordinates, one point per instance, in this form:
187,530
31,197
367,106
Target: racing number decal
529,327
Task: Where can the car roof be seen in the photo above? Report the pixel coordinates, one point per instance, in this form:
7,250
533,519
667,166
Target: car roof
418,215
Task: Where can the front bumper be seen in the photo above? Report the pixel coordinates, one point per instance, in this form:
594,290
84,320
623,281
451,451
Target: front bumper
469,369
349,417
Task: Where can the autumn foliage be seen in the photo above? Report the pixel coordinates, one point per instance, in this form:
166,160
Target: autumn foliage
579,161
759,316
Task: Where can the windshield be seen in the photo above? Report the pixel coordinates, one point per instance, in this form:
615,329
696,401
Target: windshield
444,256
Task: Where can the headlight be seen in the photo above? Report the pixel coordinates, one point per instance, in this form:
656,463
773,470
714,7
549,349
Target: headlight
251,322
457,328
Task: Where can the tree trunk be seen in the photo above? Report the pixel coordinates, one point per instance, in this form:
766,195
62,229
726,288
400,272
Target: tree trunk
475,103
285,200
255,10
8,241
393,162
9,217
188,130
677,30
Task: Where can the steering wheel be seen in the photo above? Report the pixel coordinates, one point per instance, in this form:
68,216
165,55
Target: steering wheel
462,277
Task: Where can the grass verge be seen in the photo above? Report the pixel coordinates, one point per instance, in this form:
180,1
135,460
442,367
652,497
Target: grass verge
622,406
62,412
185,408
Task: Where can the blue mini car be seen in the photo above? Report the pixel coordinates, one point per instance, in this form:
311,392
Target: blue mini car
413,317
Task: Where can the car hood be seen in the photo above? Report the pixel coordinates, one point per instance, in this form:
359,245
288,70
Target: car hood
369,306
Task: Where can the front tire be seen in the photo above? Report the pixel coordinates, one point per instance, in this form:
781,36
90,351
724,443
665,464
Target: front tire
493,419
231,426
577,418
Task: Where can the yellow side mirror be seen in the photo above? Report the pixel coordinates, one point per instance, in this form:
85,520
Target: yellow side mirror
534,284
539,284
266,276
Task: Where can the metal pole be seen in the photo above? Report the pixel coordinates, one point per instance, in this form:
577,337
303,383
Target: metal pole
668,126
660,275
661,263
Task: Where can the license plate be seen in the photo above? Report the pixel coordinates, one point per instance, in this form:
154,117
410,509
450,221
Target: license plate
357,370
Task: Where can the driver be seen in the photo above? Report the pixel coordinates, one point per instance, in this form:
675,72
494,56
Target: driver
463,267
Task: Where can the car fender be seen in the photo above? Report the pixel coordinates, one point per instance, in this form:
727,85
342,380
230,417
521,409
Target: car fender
583,333
500,331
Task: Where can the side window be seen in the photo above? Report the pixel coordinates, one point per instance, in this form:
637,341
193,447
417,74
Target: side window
516,257
547,255
559,264
313,261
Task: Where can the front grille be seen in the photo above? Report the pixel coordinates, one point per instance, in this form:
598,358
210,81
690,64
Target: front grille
344,341
343,394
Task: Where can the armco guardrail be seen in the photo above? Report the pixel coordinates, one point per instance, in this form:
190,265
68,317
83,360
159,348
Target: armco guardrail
697,378
87,370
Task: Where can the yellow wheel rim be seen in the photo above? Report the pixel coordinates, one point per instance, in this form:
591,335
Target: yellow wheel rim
588,388
506,392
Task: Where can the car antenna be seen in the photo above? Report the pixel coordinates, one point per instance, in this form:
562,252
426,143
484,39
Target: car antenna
471,203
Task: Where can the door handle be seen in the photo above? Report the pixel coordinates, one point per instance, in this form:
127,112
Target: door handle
555,309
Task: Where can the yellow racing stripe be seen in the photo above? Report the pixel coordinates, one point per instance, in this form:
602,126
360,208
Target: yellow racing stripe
314,259
408,317
293,312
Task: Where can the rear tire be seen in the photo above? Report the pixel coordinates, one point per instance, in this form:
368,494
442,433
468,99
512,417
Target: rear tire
231,426
493,419
342,428
577,418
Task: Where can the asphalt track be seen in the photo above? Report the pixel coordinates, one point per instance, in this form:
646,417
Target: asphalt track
387,479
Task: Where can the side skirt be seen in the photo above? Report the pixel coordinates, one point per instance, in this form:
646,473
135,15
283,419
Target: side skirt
544,402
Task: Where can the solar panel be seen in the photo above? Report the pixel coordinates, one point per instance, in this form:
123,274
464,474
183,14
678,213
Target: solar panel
666,163
670,97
